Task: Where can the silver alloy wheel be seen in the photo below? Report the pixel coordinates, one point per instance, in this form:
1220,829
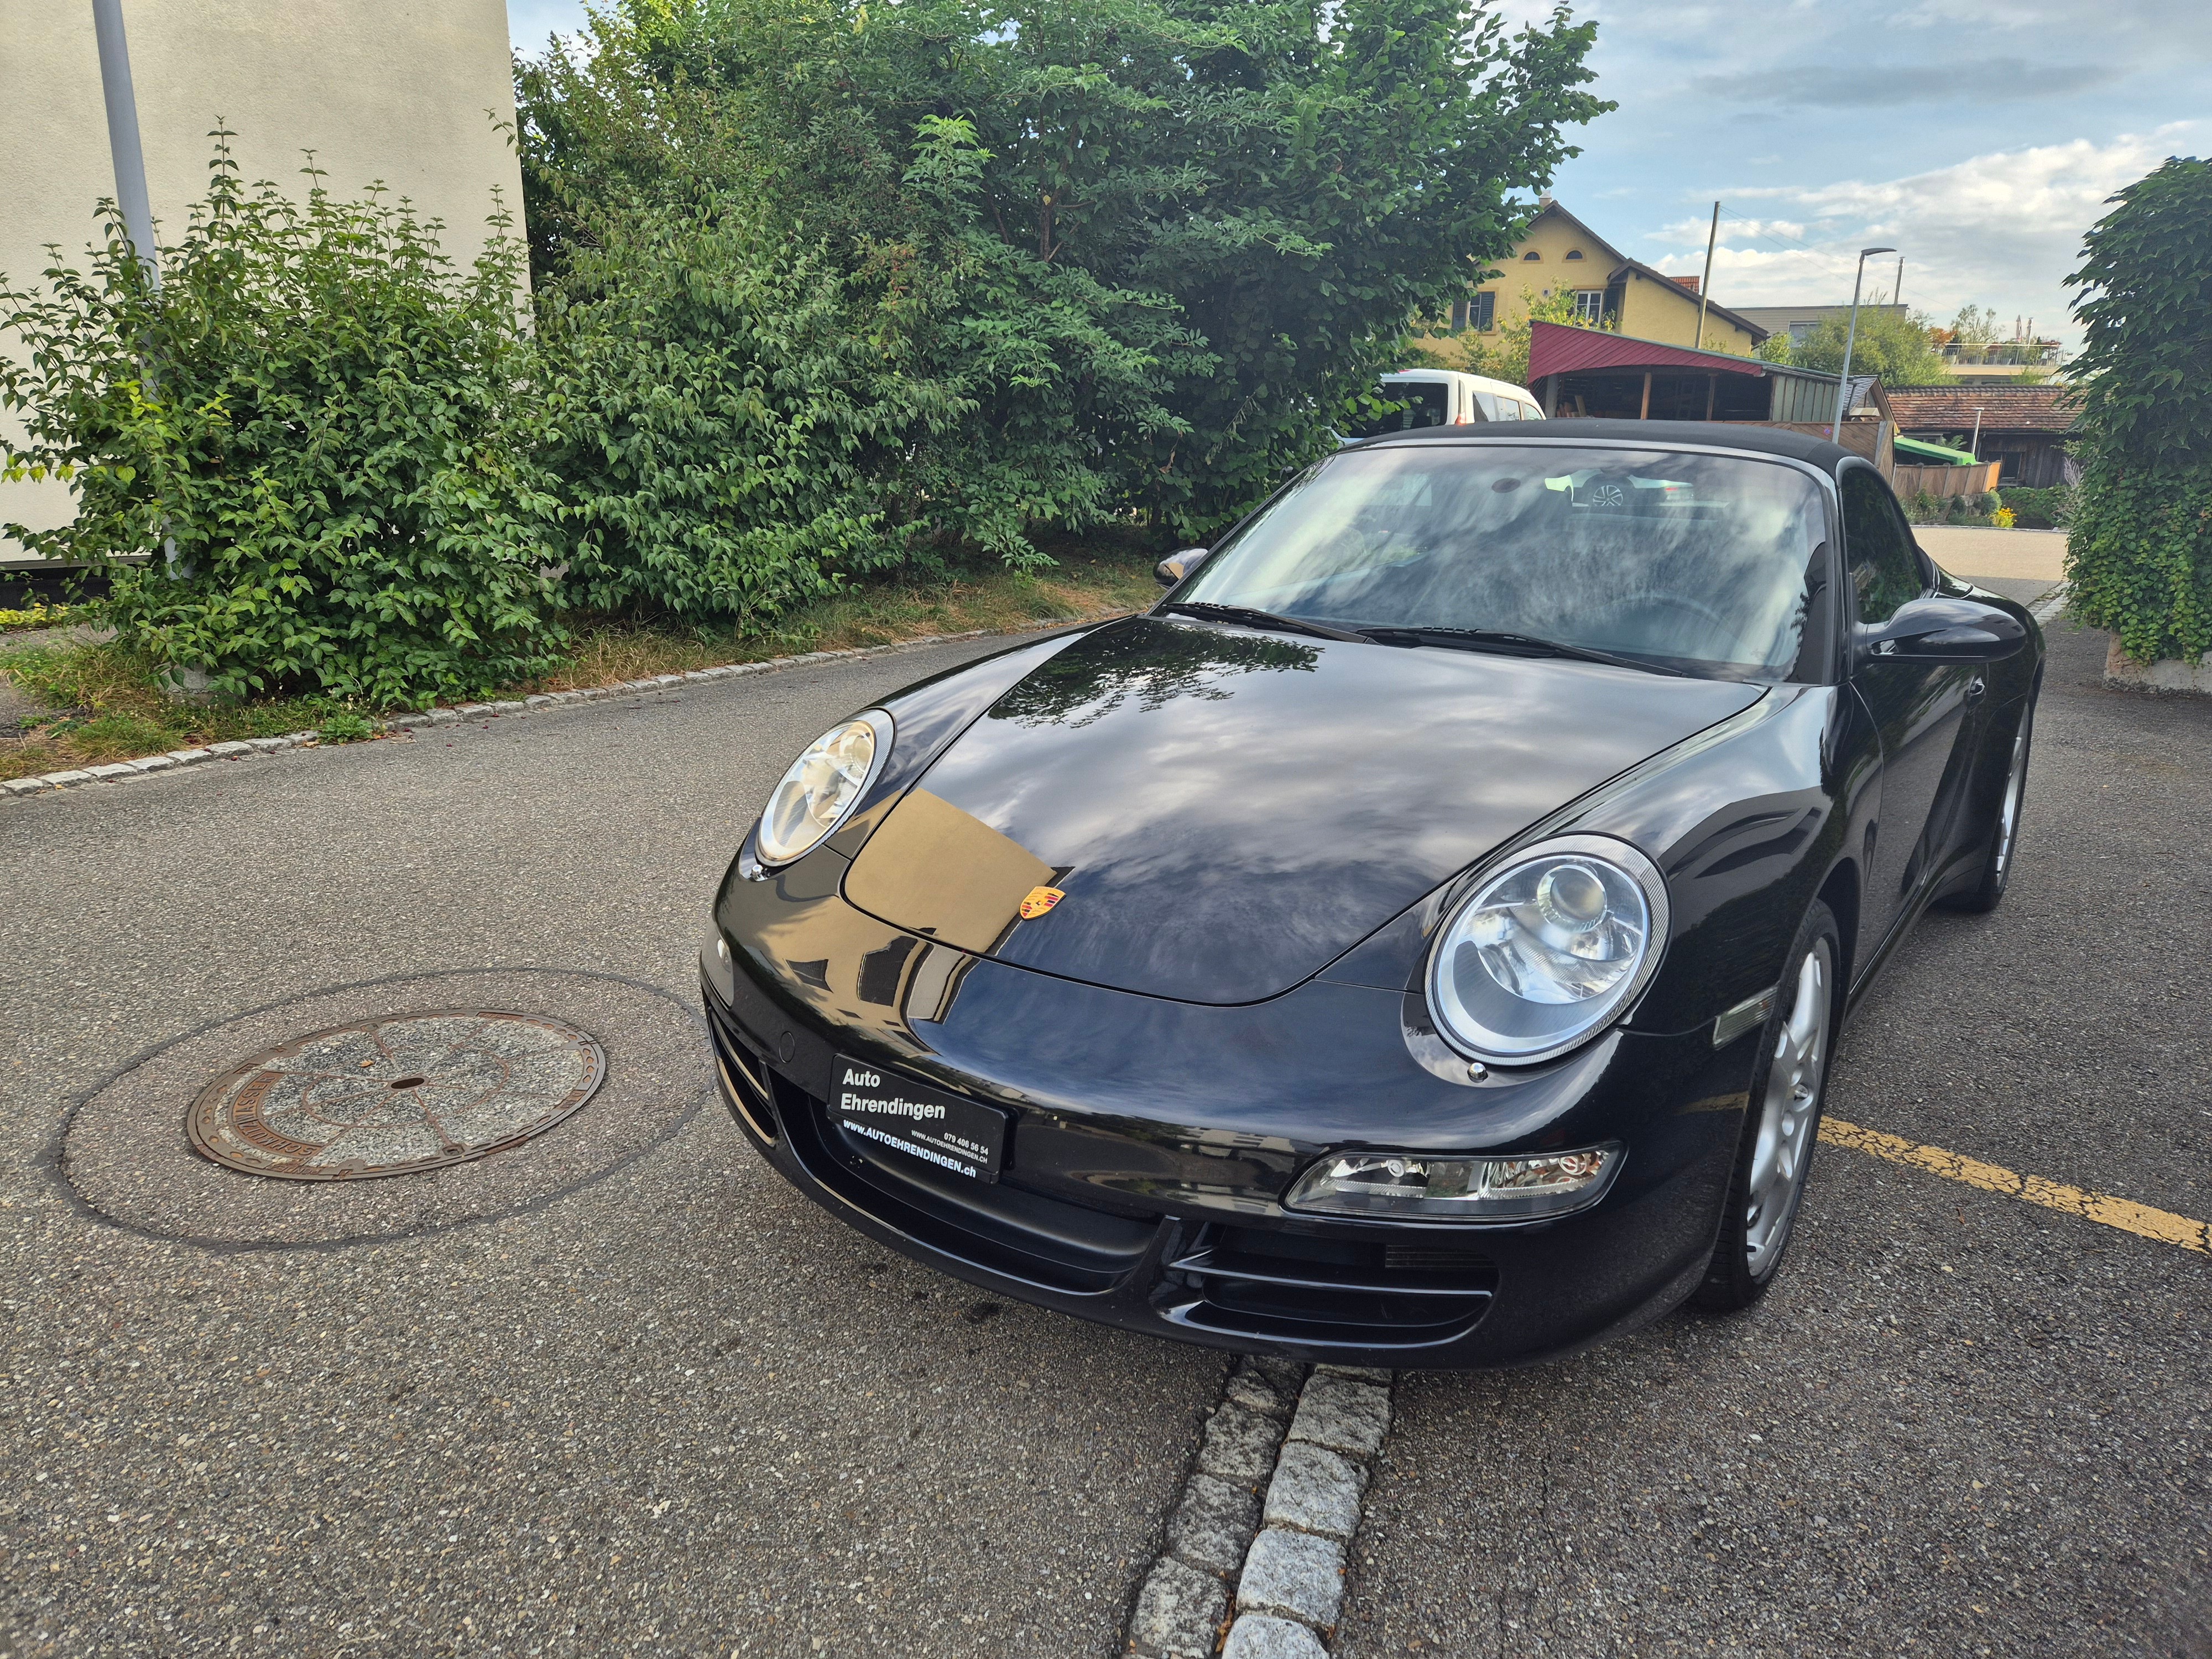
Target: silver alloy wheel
1783,1150
2015,786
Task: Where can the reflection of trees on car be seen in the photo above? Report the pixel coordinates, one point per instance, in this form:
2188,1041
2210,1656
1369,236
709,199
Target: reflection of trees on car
1156,662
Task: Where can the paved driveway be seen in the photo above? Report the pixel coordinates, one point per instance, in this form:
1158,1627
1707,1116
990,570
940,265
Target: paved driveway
619,1392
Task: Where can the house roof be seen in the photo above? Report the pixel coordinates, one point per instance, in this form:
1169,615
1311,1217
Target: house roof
1551,208
2003,407
1713,308
1619,264
1561,348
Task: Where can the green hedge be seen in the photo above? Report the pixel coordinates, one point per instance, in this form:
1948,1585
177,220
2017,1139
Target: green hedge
2139,551
318,423
2139,556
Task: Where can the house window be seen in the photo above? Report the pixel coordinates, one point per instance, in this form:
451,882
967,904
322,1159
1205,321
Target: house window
1458,315
1589,305
1531,256
1573,253
1486,311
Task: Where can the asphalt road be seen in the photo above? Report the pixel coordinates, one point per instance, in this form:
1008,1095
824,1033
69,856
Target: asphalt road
626,1395
672,1410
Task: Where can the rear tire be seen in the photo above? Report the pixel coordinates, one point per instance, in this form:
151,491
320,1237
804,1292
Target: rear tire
1787,1086
1989,885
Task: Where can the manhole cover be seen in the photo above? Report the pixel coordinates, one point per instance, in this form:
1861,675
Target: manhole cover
387,1097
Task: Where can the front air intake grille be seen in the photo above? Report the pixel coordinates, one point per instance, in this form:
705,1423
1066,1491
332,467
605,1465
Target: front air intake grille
745,1073
1327,1292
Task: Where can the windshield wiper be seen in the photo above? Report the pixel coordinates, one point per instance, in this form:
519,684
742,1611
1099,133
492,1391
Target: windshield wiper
1254,618
1476,639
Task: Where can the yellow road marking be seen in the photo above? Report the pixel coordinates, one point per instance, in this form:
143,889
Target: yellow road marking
2124,1213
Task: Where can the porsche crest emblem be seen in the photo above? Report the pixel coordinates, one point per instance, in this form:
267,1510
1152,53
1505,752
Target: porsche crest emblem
1040,900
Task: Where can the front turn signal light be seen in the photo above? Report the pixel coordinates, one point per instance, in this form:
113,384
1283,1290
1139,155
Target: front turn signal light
1421,1187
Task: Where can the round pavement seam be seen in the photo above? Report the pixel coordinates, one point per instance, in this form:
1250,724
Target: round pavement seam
55,1158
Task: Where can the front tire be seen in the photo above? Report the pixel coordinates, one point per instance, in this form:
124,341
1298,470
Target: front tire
1989,885
1787,1087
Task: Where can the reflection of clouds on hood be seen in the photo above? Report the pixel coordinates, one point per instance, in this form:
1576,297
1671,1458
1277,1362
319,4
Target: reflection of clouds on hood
1226,840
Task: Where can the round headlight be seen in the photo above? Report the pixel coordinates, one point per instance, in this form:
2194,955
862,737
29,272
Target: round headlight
822,786
1551,946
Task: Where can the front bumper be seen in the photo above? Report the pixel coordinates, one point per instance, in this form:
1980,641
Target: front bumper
1152,1140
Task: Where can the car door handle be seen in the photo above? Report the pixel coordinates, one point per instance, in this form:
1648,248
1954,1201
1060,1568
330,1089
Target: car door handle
1974,689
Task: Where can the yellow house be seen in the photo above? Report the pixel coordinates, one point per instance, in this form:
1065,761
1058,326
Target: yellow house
1559,253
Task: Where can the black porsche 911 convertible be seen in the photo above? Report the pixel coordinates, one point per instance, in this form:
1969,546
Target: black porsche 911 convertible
1421,938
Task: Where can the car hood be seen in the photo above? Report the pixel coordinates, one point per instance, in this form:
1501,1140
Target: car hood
1227,810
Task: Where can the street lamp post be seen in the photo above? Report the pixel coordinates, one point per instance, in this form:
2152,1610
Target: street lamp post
130,196
1850,339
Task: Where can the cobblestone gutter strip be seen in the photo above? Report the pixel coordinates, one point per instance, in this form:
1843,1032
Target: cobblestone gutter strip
1254,1566
123,771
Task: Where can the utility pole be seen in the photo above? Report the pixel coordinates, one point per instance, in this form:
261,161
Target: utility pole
1705,282
1974,444
1850,339
123,135
1898,298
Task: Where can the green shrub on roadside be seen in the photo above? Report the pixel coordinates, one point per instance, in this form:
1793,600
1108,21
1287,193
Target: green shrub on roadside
312,423
346,726
2139,543
1225,212
2048,508
735,422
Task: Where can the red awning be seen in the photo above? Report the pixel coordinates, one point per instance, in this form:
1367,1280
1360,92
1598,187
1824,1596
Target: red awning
1556,349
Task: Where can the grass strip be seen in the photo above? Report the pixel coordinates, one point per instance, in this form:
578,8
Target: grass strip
81,702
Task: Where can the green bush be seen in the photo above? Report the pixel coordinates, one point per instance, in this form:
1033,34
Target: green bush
1172,241
314,425
734,424
2048,508
2139,546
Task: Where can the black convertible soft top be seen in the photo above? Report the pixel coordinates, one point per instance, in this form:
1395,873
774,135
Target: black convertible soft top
1663,435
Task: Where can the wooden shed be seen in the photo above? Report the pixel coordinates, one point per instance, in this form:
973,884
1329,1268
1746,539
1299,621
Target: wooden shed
1592,373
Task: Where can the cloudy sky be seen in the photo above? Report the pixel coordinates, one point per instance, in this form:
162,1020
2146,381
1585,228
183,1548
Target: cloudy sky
1980,138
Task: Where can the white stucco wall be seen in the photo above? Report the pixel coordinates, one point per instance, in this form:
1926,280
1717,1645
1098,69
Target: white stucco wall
406,91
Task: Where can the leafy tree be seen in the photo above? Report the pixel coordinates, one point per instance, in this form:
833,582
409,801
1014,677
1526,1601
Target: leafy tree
2139,551
2146,282
1974,325
1284,185
317,419
1896,347
737,420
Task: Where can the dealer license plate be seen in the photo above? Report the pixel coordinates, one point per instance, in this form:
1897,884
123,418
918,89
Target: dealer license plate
964,1136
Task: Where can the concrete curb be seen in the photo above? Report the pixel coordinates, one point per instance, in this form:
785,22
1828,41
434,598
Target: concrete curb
1258,1543
124,771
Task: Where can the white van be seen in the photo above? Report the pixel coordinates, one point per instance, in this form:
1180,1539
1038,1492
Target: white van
1446,397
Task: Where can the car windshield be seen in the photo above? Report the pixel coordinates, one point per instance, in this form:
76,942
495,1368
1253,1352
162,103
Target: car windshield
1704,563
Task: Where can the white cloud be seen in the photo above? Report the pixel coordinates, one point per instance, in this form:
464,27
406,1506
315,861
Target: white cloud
1998,229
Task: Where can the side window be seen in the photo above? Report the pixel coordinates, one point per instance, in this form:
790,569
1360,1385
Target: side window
1884,571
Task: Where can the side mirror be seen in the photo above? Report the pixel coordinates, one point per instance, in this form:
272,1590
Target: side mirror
1174,567
1942,630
